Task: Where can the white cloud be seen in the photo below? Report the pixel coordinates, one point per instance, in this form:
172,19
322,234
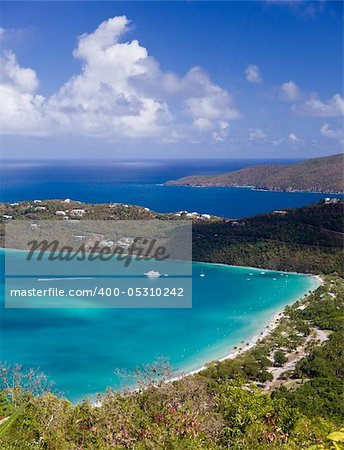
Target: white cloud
290,91
318,108
294,138
121,92
222,133
25,80
253,74
21,108
277,141
327,131
256,134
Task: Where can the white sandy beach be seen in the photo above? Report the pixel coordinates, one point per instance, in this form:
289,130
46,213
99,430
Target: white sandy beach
268,328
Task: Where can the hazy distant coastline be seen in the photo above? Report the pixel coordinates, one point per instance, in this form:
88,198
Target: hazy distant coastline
322,175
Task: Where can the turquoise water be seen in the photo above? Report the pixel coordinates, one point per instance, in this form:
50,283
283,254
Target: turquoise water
81,348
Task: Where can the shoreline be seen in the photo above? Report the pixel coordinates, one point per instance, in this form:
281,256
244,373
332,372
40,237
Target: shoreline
252,188
261,269
269,327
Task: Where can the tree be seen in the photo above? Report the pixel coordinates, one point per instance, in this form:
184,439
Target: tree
279,358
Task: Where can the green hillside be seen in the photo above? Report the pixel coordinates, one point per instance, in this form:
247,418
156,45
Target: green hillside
307,239
314,175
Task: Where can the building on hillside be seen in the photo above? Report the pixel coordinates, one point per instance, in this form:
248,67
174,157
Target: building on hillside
279,212
235,223
79,237
331,201
77,212
125,242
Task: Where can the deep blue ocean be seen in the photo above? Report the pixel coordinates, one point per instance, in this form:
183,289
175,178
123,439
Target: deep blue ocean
140,183
80,349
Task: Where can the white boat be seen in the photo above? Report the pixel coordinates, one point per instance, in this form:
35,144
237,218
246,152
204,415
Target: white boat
202,274
152,274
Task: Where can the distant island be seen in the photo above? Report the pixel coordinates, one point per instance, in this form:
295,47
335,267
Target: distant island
314,175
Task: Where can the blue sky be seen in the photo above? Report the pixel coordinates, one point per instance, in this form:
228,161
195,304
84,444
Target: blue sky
171,79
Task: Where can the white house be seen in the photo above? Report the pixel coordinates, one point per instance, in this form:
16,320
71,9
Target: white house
238,224
302,307
79,237
60,213
103,244
280,212
77,212
40,208
205,216
6,216
125,242
329,201
37,201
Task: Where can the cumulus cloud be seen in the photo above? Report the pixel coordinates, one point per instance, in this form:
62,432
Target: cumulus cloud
313,106
256,134
327,131
120,92
21,109
294,138
290,91
253,74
